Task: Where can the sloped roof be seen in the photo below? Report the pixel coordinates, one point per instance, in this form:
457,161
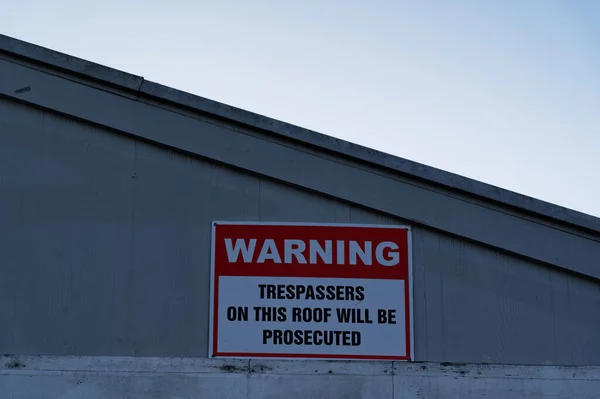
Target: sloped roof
560,218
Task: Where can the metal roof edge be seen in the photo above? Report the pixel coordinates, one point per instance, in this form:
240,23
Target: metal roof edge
73,64
404,166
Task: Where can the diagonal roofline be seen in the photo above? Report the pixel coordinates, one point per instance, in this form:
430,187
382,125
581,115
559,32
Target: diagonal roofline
413,169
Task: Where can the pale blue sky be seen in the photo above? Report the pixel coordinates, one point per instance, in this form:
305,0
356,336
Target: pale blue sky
506,91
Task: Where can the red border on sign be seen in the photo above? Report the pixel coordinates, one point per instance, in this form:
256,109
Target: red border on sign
222,266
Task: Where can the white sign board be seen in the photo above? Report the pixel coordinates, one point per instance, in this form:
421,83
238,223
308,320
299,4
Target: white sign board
285,290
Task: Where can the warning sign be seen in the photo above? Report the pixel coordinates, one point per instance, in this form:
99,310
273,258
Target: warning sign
311,291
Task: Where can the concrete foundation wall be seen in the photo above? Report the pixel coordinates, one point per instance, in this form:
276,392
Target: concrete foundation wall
154,378
105,252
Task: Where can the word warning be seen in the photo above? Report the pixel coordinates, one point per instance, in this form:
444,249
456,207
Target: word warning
311,291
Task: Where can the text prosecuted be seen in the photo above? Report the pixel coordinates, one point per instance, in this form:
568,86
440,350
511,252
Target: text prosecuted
310,291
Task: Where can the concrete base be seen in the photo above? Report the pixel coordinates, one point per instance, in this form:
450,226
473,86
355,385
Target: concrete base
33,377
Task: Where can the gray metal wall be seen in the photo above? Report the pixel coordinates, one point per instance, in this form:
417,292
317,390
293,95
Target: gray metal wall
104,250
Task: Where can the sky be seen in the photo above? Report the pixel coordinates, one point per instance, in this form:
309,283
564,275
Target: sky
506,92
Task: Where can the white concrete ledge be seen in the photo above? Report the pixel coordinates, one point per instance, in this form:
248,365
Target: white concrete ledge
29,377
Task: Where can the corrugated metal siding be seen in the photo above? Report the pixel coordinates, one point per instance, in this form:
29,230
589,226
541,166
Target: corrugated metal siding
105,251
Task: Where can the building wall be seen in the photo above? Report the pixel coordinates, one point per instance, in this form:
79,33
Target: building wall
105,251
